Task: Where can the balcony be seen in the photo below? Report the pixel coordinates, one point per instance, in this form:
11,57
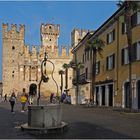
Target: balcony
82,79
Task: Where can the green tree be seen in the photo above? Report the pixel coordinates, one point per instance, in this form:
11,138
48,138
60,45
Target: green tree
61,73
76,67
129,7
94,46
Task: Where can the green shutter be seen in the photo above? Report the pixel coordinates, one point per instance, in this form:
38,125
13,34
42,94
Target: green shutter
107,63
122,55
113,34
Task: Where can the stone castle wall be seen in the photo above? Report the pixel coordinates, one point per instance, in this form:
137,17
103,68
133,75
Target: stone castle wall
21,67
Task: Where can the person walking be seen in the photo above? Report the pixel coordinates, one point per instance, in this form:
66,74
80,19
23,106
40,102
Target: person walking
12,101
23,100
31,99
5,98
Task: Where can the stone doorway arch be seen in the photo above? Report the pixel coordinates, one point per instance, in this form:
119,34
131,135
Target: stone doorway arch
33,89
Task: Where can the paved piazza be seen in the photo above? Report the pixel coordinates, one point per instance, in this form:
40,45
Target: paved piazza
83,123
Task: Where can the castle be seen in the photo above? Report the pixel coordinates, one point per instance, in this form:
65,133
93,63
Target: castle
21,66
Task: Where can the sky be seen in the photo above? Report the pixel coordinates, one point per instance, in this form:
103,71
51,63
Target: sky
69,14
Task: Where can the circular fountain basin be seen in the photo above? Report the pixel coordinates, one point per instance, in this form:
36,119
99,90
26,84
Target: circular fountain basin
44,117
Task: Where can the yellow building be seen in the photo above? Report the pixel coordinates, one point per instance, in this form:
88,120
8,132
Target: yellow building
112,70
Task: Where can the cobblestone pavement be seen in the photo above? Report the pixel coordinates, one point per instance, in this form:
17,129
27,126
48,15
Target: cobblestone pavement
83,122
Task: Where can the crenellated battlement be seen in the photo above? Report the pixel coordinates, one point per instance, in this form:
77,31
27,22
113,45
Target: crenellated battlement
77,35
50,29
13,33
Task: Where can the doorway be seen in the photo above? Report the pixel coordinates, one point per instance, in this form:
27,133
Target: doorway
103,95
110,94
138,93
97,95
33,89
126,94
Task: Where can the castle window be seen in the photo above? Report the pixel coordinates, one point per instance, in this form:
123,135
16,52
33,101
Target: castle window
50,27
13,72
13,47
50,39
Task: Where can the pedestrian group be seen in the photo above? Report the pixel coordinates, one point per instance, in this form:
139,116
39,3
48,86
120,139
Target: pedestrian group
24,100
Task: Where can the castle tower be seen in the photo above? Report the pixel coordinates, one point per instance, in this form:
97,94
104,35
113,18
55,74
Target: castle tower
77,35
49,35
13,42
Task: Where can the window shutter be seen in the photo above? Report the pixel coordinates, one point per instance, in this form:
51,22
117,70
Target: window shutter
99,67
114,60
134,52
134,20
123,28
122,56
83,58
107,63
107,38
113,34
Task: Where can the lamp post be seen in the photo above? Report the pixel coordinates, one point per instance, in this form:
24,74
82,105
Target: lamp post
44,77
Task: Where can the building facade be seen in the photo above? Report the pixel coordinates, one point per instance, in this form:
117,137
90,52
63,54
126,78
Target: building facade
21,66
78,41
112,68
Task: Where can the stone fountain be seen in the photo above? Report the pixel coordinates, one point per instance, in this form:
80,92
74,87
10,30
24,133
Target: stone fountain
44,118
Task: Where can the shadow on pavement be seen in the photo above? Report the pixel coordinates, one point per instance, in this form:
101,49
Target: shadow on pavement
84,130
10,127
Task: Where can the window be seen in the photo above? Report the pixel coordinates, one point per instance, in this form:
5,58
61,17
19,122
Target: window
110,62
125,56
98,67
111,37
13,47
50,39
135,19
13,74
138,17
138,50
123,28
